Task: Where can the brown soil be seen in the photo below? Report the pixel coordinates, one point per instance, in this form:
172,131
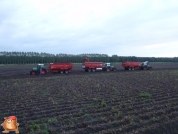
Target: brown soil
101,102
24,70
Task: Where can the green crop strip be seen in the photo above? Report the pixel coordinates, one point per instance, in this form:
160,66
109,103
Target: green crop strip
145,95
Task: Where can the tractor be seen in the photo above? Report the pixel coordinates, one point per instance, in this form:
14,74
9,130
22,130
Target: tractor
108,67
40,69
145,66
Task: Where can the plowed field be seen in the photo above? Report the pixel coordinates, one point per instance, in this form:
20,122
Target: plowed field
124,102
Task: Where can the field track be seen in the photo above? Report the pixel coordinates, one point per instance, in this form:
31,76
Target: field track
22,71
27,75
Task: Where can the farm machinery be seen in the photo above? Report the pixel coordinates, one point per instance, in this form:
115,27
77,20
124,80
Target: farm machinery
109,67
129,65
88,66
39,69
145,66
60,67
53,67
95,66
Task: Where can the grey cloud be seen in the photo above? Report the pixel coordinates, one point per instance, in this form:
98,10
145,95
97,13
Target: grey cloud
23,29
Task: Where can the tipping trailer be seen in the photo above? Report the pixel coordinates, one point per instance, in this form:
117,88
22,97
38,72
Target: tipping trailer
129,65
95,66
60,67
91,66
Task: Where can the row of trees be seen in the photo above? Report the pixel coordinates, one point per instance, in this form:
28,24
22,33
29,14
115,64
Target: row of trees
30,54
34,58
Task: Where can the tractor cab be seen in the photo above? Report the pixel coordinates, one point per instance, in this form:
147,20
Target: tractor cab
145,63
109,67
40,66
145,66
39,69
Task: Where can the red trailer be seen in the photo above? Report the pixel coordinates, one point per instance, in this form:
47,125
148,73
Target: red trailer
60,67
130,65
91,66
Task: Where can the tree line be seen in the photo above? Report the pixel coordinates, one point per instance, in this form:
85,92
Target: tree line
35,57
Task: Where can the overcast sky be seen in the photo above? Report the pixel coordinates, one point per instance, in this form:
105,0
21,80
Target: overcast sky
122,27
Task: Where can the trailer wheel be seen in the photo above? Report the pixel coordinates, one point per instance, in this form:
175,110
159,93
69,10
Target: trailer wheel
89,70
129,68
133,68
66,71
93,70
61,72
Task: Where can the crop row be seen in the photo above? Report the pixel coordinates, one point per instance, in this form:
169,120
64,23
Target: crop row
133,102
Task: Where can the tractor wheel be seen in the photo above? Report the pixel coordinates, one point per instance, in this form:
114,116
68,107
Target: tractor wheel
33,73
43,72
108,69
114,69
66,71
